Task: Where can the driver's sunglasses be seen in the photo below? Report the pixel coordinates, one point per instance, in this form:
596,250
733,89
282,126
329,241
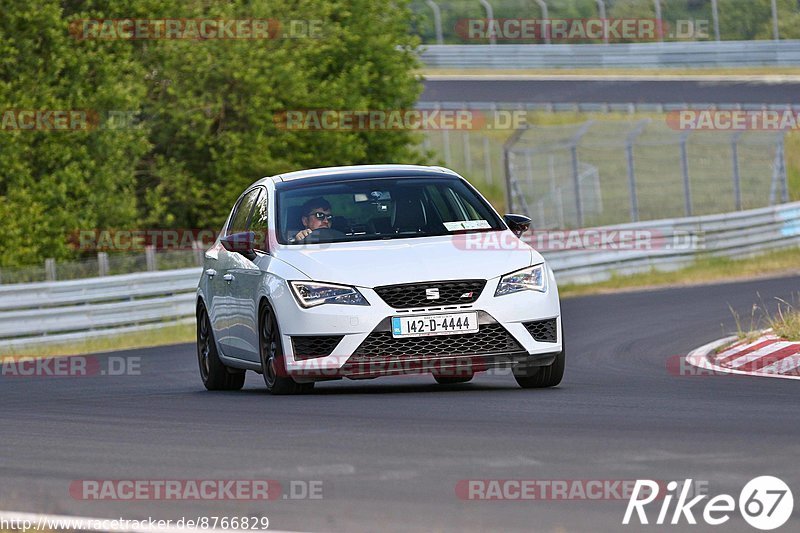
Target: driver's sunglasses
319,215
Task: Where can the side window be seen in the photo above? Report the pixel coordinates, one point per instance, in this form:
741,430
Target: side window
259,222
242,214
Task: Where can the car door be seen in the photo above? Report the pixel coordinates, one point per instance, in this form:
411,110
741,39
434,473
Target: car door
229,307
245,288
216,289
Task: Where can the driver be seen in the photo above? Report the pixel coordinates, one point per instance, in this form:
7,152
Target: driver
317,216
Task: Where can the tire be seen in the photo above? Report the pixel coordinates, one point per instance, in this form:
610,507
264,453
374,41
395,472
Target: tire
272,361
452,380
545,376
214,374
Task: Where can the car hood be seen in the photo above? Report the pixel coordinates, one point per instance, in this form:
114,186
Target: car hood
390,262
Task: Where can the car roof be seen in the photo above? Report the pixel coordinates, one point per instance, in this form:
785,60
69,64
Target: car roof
322,175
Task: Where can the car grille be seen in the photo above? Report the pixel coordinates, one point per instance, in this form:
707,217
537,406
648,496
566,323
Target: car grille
414,294
310,347
543,330
490,339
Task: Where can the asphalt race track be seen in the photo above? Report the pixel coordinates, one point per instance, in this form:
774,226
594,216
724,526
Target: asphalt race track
390,452
611,91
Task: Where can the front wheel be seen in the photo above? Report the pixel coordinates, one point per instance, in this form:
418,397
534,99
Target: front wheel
272,361
545,376
215,375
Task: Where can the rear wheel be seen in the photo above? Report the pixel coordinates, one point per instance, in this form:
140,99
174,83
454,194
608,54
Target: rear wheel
215,375
272,360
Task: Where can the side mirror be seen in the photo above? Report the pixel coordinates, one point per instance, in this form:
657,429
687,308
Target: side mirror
241,243
519,224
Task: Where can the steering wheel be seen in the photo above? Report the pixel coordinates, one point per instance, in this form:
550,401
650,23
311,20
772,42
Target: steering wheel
324,235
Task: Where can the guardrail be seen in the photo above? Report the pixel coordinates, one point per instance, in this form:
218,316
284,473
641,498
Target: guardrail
63,311
628,55
675,243
51,312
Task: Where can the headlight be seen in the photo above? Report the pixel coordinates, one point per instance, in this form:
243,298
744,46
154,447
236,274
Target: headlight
528,279
311,294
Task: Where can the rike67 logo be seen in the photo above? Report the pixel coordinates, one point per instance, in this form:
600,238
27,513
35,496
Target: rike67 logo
765,503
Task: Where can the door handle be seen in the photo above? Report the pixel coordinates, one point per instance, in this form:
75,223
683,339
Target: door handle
210,272
228,277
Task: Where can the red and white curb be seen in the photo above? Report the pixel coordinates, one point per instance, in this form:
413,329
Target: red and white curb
767,356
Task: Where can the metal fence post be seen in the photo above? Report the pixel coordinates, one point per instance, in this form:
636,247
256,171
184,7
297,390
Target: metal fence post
776,34
487,160
445,133
448,159
715,16
508,166
426,142
50,269
489,15
660,22
467,149
687,189
779,177
545,16
576,175
102,264
437,20
631,168
632,183
576,182
737,181
782,163
529,169
150,257
555,191
601,9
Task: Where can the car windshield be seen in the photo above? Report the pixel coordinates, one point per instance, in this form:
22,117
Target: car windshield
385,208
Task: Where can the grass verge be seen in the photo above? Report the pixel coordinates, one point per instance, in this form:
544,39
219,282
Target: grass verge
173,334
784,322
704,270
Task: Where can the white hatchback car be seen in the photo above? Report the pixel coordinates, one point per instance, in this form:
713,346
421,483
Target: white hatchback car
374,270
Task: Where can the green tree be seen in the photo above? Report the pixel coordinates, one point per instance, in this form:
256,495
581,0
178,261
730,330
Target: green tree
206,110
55,182
211,104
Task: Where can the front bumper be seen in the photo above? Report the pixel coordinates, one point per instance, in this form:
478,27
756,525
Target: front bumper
455,365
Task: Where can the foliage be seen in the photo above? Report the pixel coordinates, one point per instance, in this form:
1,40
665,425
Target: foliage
203,111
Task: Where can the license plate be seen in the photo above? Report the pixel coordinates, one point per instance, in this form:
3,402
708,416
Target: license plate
423,326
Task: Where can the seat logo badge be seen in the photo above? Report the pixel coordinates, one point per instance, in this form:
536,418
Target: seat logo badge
432,294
